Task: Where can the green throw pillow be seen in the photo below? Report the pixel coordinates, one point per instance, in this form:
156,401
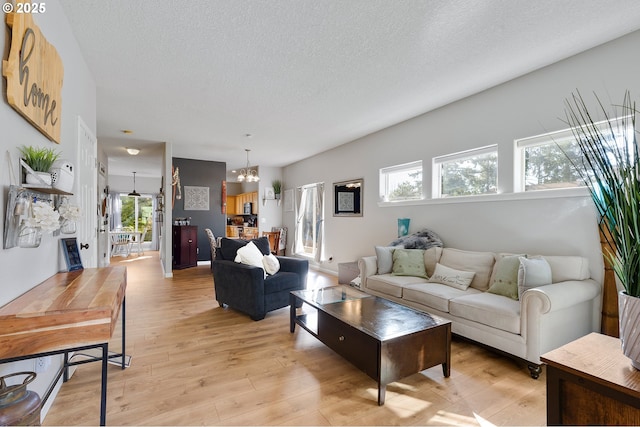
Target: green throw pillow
505,281
409,262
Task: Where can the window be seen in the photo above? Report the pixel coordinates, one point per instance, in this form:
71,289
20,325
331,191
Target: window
466,173
547,161
136,213
309,231
401,182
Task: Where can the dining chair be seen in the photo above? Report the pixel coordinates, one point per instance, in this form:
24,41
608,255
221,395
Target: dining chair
120,243
274,240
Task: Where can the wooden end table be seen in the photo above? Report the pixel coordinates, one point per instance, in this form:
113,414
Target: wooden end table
590,382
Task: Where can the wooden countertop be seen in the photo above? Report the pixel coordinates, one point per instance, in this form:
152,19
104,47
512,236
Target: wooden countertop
67,310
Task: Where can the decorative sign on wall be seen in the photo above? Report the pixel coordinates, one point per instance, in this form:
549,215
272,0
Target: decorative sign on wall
196,198
34,74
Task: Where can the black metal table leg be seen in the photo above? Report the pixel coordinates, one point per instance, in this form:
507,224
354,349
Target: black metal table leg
124,318
103,391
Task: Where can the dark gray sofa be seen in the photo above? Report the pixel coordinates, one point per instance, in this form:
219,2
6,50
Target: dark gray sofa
244,287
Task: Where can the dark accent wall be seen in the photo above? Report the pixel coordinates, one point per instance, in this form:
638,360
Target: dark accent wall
201,173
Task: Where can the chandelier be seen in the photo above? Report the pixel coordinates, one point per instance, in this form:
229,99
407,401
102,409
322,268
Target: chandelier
248,175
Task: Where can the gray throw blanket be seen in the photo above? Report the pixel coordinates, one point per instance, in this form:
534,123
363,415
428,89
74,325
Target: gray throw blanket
423,239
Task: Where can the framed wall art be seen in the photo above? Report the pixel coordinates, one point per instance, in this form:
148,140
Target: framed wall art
196,198
71,254
347,198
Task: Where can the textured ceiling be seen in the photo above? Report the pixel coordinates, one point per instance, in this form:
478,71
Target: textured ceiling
304,76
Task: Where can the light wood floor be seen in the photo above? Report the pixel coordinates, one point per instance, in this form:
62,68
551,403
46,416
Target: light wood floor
195,363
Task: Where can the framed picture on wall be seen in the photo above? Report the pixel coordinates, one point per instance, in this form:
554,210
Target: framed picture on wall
347,198
269,193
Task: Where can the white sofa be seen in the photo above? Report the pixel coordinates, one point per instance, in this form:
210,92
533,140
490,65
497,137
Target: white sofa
541,319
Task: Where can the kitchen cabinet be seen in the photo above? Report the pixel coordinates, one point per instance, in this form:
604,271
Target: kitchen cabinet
254,201
235,204
232,231
185,246
239,231
232,208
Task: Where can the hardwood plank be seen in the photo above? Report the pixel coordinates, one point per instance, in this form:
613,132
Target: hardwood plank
197,363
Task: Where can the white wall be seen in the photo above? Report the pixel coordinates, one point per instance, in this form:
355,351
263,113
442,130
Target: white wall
527,106
269,212
22,269
144,185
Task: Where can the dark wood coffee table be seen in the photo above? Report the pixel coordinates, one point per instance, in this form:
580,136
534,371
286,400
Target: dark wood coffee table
386,340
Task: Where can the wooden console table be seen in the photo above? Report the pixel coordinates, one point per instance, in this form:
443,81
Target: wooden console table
69,312
590,382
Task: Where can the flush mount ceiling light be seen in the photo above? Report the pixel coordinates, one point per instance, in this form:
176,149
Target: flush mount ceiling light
133,151
247,174
134,193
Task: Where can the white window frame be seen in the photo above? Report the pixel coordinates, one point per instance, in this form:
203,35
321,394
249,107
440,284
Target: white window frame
560,136
405,167
438,162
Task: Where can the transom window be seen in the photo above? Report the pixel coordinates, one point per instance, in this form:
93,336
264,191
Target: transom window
549,161
466,173
401,182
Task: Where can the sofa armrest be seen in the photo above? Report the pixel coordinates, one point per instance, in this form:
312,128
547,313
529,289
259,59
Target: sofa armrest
558,296
293,265
368,267
553,315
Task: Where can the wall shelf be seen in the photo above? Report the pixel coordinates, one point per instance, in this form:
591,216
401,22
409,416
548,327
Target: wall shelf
46,189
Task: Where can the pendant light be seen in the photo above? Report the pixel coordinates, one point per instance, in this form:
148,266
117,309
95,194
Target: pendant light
248,175
134,193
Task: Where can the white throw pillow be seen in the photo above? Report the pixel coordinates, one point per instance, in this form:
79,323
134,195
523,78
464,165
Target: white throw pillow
271,264
250,254
533,272
384,255
455,278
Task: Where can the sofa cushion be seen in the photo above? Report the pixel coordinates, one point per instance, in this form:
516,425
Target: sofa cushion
458,279
281,281
229,247
434,295
565,268
384,256
409,262
479,262
505,277
488,309
390,284
533,272
431,258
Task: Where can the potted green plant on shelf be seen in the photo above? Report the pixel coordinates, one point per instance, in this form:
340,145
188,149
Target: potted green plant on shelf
40,160
277,188
610,168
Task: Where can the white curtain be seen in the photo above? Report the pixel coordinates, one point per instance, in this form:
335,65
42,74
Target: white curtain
115,219
309,231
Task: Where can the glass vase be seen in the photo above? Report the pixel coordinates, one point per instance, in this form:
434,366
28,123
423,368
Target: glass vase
68,227
29,237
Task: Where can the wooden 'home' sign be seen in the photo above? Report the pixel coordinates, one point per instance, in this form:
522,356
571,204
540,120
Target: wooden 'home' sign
34,74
